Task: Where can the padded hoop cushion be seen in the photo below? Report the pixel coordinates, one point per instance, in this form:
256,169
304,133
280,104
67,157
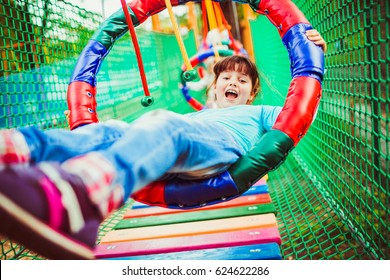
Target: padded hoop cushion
298,112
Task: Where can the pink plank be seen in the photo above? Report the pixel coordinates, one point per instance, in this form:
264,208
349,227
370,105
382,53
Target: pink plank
262,181
187,243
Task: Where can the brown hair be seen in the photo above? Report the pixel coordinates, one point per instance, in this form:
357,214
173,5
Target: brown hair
241,64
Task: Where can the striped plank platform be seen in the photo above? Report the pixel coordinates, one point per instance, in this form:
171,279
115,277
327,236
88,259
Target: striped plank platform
188,243
242,228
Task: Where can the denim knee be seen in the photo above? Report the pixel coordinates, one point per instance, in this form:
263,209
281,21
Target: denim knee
161,119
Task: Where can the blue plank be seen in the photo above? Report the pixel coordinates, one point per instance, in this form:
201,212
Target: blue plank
261,189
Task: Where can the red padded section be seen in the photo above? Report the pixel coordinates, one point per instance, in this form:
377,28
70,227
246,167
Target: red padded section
152,194
145,9
299,108
82,104
282,13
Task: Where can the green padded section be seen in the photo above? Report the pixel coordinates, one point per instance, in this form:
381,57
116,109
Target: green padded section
113,27
268,153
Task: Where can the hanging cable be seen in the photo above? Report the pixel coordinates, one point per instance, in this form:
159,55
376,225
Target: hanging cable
147,100
227,26
218,14
190,74
206,27
212,25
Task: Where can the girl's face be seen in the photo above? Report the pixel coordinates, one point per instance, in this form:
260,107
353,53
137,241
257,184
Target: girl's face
233,88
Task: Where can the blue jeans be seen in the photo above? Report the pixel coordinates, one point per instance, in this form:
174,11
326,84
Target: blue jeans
157,144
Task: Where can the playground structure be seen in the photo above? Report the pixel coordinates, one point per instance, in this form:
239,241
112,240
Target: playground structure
331,195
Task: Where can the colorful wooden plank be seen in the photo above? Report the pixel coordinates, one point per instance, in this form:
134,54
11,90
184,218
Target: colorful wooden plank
268,251
239,201
192,228
188,243
259,189
262,181
185,217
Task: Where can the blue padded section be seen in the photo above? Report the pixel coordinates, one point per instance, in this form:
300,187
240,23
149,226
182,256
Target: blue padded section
198,193
254,190
307,59
89,63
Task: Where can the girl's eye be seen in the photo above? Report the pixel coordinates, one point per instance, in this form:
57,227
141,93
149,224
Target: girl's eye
243,81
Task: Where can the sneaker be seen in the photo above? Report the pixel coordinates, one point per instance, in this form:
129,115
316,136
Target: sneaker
13,148
48,211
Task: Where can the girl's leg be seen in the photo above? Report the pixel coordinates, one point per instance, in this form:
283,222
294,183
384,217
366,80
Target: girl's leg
45,207
162,142
115,161
30,144
56,210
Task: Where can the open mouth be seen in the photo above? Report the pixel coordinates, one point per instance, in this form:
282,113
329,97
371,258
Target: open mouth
231,94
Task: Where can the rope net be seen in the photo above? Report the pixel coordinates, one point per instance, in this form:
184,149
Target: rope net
332,194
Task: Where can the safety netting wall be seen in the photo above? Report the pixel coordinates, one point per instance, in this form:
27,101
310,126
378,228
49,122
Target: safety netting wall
332,193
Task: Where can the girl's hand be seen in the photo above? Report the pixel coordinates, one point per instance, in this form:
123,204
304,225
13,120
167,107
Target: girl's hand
314,36
67,115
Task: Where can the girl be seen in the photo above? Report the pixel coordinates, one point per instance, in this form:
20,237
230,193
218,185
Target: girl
57,186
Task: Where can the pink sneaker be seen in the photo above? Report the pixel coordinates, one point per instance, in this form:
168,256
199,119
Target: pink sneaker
48,210
13,148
